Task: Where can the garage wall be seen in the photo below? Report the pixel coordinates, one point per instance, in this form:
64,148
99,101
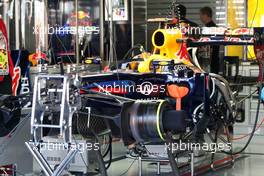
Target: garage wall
249,106
145,9
140,18
158,8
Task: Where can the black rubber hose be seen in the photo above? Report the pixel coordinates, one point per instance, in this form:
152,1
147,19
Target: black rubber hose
101,163
110,145
110,153
173,163
98,153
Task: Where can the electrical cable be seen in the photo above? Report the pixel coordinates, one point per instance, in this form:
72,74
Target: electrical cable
173,163
244,136
252,133
128,168
18,127
248,96
137,46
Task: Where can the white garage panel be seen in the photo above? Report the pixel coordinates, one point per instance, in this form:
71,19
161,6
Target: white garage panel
157,8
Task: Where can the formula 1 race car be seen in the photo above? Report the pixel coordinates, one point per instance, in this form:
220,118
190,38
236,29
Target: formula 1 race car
162,98
165,97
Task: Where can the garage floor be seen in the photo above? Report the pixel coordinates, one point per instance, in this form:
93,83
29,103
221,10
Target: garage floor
251,164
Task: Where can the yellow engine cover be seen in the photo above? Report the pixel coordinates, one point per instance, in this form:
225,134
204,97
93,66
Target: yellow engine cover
167,46
165,42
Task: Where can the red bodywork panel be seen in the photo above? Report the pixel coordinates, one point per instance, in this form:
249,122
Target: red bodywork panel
10,61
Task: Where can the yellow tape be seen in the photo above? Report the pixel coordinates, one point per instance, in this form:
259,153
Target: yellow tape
88,61
158,120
